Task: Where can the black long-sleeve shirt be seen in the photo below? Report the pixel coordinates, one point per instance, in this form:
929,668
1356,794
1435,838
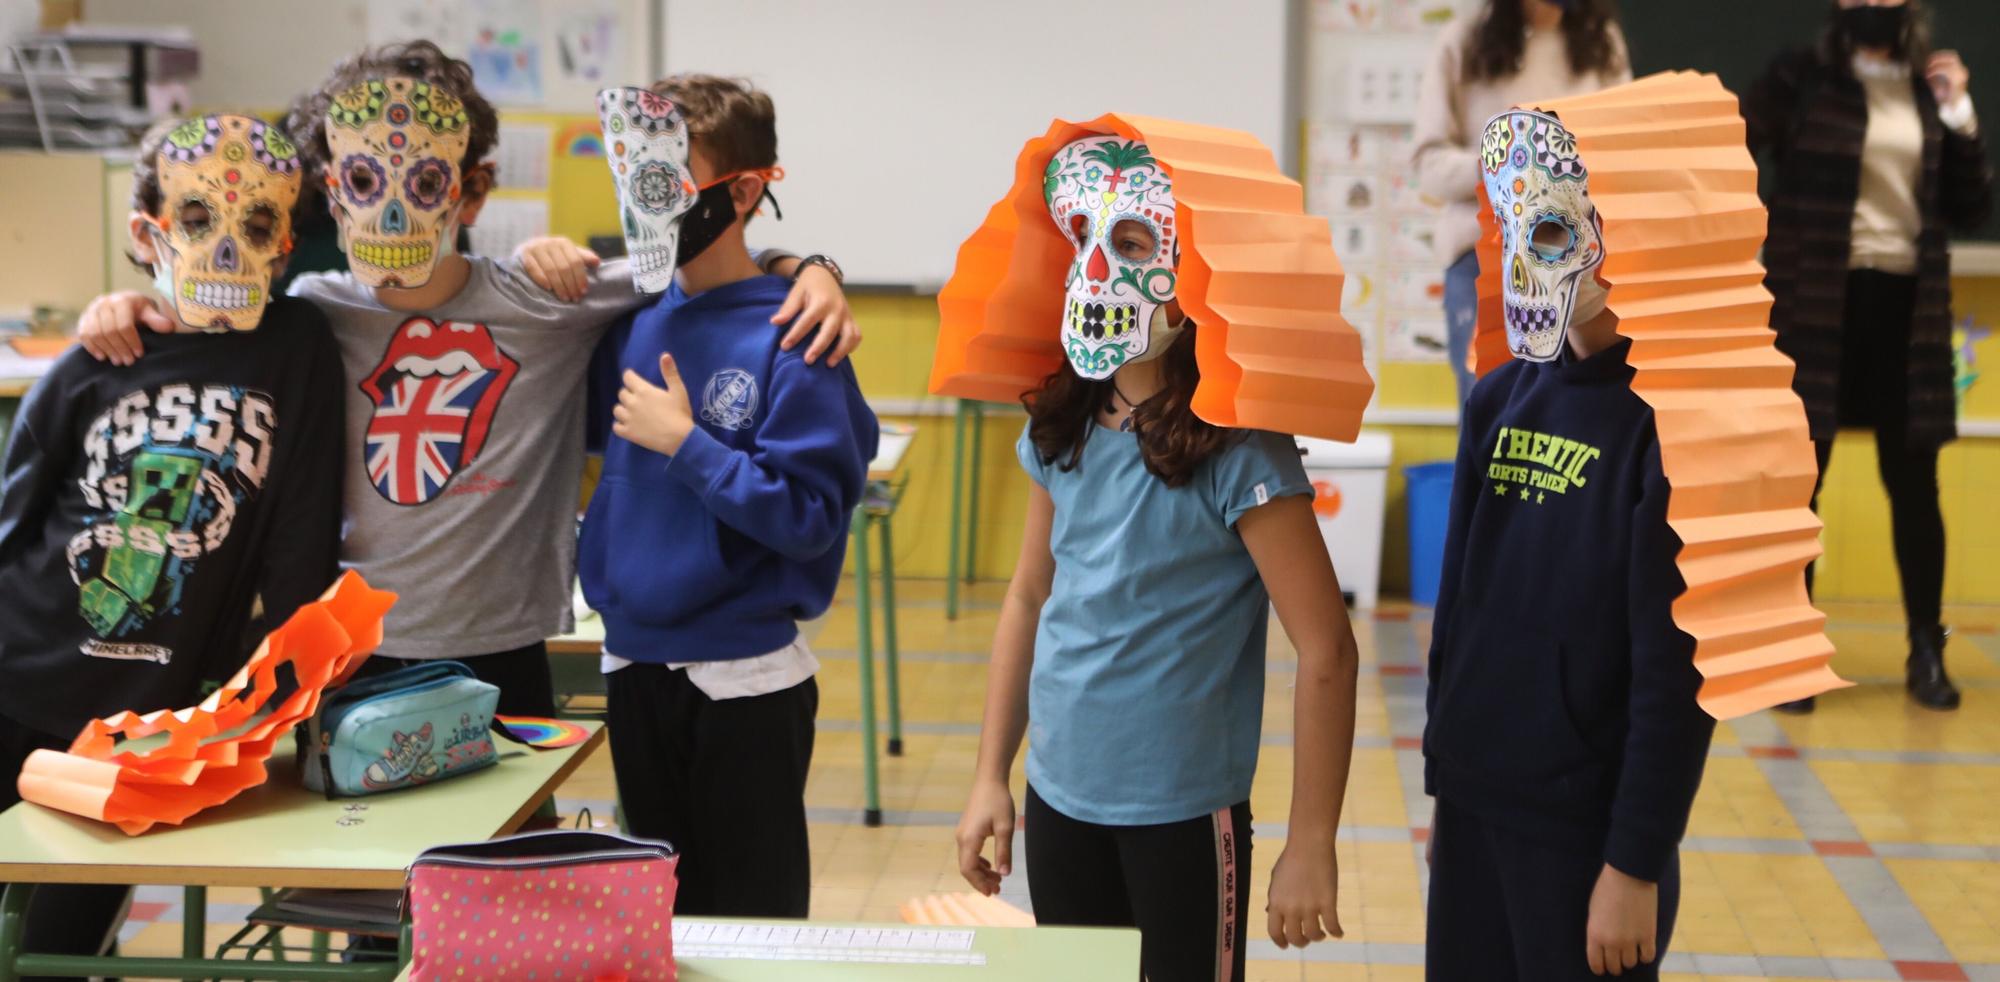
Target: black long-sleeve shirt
143,509
1562,694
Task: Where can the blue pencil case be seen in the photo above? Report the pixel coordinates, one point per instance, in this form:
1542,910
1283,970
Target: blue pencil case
412,726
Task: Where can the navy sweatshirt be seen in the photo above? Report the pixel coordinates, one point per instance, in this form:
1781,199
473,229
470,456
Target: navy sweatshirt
144,509
717,552
1562,695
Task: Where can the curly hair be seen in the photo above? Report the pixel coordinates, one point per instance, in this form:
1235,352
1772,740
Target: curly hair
421,60
1502,34
1173,441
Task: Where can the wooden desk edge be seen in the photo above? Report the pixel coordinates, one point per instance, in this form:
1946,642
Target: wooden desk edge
264,876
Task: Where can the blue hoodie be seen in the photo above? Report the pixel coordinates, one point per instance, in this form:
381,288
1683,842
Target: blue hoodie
717,552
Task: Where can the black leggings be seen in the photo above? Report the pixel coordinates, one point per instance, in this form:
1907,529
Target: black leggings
1184,885
1874,392
63,918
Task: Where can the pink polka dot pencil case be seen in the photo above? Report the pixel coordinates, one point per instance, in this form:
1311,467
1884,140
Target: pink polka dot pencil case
544,907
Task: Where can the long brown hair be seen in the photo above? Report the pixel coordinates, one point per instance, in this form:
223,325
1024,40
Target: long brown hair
1173,441
1502,33
1836,49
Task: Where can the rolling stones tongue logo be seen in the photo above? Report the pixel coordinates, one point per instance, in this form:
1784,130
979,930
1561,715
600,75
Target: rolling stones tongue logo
435,392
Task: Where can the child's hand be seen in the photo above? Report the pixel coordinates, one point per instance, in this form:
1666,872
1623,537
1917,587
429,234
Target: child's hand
109,328
816,300
1624,917
1305,893
988,815
652,417
557,265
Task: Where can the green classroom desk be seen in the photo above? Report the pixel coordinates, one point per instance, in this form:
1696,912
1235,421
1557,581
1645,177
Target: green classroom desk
1035,954
277,834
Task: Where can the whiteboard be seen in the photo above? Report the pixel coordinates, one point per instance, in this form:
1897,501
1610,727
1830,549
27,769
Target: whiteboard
899,120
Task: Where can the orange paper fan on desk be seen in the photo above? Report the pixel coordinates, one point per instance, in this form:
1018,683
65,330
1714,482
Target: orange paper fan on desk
1676,190
216,750
1256,274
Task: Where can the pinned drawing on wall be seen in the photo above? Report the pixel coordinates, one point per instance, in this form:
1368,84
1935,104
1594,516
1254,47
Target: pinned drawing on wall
580,139
585,51
1965,338
505,49
1687,287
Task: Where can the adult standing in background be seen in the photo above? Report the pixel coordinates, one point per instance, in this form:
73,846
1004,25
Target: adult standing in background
1511,52
1876,155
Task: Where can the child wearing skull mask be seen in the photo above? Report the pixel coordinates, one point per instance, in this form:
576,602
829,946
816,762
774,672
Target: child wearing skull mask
465,376
1169,513
730,473
143,511
1564,743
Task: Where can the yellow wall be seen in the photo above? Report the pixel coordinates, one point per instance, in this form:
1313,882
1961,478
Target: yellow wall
894,363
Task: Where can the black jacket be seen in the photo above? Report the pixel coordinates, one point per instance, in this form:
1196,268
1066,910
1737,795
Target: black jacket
143,510
1562,694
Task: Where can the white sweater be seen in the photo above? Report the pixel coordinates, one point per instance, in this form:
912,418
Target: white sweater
1452,112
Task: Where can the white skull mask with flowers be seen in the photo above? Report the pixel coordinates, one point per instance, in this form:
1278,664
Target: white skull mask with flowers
646,140
227,187
396,145
1114,314
1551,242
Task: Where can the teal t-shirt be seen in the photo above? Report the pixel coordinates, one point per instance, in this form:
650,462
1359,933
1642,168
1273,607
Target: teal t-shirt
1146,702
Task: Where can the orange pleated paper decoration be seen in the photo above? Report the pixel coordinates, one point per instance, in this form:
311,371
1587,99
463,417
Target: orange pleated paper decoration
1677,191
964,910
217,749
1257,274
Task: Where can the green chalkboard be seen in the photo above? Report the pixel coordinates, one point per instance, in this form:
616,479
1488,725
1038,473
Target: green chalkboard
1736,38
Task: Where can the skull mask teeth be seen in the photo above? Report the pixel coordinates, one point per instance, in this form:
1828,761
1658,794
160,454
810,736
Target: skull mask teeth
1549,230
1112,317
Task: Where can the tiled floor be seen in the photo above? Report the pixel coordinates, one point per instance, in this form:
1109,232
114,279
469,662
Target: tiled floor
1862,842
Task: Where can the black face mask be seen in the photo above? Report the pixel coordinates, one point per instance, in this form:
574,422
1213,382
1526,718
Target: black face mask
1872,27
713,212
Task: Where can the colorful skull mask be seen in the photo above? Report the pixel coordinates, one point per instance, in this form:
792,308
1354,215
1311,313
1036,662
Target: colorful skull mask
646,141
395,148
1114,313
1550,236
227,186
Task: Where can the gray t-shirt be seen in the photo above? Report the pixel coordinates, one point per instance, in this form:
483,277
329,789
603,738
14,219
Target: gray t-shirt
465,452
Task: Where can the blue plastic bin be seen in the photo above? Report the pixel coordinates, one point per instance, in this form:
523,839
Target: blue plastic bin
1427,493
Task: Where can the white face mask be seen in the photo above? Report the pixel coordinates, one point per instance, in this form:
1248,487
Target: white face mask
646,143
1551,242
1115,313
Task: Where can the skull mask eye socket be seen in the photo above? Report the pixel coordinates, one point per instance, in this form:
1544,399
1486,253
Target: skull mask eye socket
1552,239
1134,240
361,180
194,218
260,226
1079,230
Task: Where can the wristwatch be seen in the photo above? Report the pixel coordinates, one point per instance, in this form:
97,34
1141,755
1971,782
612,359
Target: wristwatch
824,262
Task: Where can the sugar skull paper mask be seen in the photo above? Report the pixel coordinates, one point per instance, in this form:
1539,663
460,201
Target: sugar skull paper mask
227,186
396,145
1550,235
646,143
1113,315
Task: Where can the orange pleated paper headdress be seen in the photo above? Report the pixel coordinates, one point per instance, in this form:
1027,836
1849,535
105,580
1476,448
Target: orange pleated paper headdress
1257,275
1676,190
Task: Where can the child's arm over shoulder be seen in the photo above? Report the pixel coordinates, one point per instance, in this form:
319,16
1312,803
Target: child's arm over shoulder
795,493
1667,743
303,487
40,452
